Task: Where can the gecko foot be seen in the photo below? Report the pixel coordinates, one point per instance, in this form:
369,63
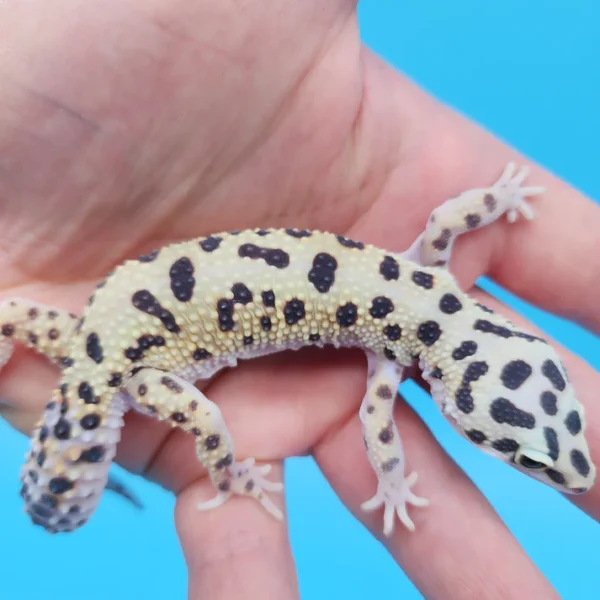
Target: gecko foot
247,479
394,498
508,189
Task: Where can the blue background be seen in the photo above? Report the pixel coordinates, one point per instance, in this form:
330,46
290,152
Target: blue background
528,71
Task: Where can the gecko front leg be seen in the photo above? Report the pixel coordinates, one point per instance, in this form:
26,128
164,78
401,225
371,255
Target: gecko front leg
384,446
472,210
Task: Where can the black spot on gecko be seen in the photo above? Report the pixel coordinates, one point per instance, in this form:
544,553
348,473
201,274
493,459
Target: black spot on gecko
268,298
552,441
41,511
86,393
33,313
348,243
392,332
322,273
225,312
294,311
41,458
381,307
422,279
490,202
346,314
475,371
178,417
515,373
93,348
43,435
201,354
390,465
505,445
146,258
466,349
436,373
95,454
274,257
226,461
472,221
32,337
489,327
580,463
182,279
262,232
298,233
62,429
8,329
450,304
504,411
389,354
386,435
548,401
211,243
265,323
528,337
115,380
555,476
241,294
551,372
171,385
484,308
314,337
389,268
48,500
248,340
464,399
142,389
429,332
441,243
60,485
476,436
90,421
53,334
384,392
66,362
573,422
146,302
212,442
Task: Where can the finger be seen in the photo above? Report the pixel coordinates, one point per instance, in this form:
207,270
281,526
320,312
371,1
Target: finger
437,557
235,551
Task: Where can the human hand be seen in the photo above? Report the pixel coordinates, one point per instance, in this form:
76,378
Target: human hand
199,121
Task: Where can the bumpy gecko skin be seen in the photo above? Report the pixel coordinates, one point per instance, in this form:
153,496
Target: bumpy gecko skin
158,324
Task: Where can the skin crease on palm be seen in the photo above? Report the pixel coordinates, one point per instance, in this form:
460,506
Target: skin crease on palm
132,124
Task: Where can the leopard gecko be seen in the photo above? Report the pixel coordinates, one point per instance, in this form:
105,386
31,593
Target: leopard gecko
158,324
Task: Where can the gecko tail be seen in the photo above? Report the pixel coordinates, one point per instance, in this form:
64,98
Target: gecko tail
114,485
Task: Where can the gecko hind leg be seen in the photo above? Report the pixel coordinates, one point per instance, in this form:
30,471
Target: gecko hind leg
171,398
42,328
472,210
384,447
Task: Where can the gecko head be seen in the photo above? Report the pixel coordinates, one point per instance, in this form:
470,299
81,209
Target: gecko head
537,422
514,400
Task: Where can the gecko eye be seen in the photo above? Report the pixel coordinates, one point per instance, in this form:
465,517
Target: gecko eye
526,462
532,459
